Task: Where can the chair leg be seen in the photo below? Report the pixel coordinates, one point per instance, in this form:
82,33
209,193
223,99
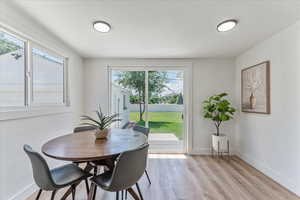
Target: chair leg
138,188
91,193
53,194
95,170
39,194
125,194
117,195
95,193
147,176
87,187
73,192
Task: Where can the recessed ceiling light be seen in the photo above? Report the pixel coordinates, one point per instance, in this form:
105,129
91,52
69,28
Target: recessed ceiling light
101,26
227,25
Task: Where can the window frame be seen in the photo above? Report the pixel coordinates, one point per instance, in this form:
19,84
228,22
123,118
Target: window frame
65,66
25,102
29,108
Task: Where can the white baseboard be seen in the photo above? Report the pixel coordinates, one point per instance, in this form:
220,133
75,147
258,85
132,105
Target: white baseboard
206,151
286,182
25,192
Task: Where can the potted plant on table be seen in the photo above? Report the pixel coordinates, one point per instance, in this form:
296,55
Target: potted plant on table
218,109
102,124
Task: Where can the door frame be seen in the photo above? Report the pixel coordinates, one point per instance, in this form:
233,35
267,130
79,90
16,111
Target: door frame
187,93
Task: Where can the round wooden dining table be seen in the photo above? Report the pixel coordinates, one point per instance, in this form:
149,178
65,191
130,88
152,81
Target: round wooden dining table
83,146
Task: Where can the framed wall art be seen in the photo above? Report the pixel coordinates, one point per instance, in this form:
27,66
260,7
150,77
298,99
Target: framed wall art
256,88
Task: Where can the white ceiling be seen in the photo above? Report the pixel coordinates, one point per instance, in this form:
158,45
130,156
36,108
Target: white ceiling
162,28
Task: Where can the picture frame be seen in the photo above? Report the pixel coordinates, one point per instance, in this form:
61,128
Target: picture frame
255,89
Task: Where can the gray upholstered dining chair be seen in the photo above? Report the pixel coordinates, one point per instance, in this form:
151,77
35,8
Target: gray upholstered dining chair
146,132
83,128
125,125
94,163
129,168
128,125
142,129
57,178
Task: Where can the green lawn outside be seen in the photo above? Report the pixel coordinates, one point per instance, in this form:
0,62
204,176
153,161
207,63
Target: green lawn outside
162,122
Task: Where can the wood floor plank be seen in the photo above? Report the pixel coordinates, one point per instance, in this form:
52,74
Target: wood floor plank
244,182
225,179
180,177
235,180
275,190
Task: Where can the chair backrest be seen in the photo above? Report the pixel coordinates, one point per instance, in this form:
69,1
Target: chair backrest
142,129
125,125
83,128
128,125
129,168
40,169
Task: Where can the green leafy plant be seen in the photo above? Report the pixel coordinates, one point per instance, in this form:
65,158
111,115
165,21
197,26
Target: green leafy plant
218,109
103,122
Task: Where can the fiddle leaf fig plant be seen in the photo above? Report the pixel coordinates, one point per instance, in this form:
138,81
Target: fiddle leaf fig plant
103,122
218,109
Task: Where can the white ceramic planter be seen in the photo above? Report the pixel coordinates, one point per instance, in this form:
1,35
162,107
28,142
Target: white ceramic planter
220,143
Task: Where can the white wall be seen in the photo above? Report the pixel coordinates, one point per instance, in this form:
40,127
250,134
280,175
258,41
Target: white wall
210,76
271,143
16,178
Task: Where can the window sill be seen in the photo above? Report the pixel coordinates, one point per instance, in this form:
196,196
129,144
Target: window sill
33,112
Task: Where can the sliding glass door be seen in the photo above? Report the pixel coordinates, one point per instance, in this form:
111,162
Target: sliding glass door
165,110
154,99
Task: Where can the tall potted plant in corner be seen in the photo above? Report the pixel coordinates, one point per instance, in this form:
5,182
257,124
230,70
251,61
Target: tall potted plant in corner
218,109
102,124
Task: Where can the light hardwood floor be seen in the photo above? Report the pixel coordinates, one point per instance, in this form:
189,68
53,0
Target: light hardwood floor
180,177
